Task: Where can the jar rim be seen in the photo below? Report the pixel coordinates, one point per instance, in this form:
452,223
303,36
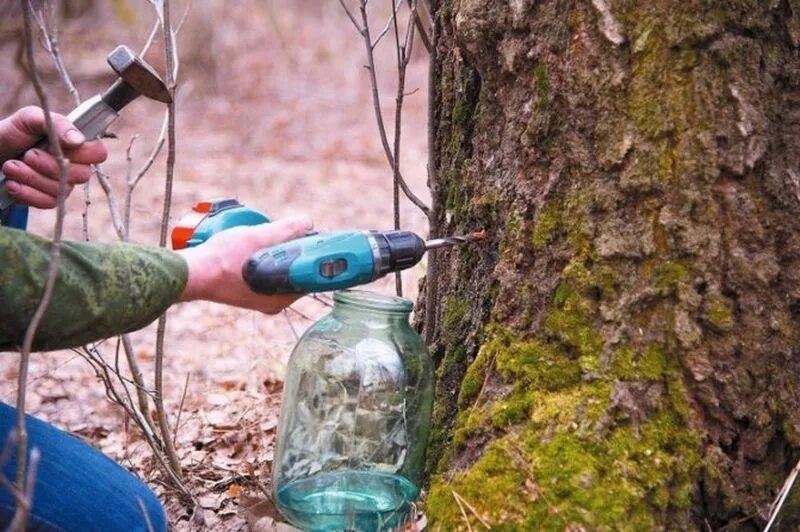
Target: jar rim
373,301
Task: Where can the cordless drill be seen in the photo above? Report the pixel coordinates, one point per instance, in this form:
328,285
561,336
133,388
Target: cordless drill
318,262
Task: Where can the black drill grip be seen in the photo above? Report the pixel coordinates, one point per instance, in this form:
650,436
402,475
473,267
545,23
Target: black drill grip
267,271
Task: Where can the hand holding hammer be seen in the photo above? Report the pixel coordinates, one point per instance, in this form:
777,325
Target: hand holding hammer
88,121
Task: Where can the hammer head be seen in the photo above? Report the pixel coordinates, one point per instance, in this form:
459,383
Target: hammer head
138,74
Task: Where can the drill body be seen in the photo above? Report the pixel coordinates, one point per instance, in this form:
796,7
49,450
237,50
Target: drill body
331,261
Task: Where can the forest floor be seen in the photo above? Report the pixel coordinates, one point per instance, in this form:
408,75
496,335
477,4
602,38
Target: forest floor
275,109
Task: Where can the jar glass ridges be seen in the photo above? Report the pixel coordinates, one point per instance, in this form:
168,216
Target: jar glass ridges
355,418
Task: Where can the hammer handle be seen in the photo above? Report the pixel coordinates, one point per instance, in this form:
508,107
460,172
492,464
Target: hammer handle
92,118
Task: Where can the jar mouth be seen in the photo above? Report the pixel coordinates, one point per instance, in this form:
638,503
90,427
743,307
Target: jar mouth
373,301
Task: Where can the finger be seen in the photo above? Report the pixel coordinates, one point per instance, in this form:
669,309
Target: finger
279,230
27,195
28,125
46,165
67,134
275,304
91,152
20,131
23,174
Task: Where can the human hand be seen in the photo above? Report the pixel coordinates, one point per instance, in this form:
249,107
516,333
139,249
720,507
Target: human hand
215,267
33,179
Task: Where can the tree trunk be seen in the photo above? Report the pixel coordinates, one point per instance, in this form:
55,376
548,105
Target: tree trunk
624,350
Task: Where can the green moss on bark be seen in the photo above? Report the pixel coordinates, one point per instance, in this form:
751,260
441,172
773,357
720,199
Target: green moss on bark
547,223
669,274
719,313
550,479
561,458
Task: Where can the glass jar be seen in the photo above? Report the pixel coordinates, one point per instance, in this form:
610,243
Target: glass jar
355,418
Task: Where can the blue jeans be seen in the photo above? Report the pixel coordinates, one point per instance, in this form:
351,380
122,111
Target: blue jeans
77,487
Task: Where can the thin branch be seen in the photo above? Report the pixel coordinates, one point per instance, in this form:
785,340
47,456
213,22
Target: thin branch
184,17
105,184
180,408
777,505
376,102
398,117
423,33
51,44
322,299
389,23
351,17
300,314
471,508
150,38
463,512
162,138
21,511
172,69
432,287
142,394
291,325
102,372
11,442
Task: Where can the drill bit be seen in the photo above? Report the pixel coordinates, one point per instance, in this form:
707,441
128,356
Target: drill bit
454,240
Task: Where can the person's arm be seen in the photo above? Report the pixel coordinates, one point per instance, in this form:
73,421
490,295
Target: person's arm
108,289
101,289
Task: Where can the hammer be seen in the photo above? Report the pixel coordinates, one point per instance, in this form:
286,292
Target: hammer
93,116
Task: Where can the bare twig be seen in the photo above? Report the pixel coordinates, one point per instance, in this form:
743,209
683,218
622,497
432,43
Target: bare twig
398,115
21,511
431,287
180,409
403,54
423,33
116,221
376,102
351,17
51,43
172,67
21,498
150,37
291,325
162,137
461,500
463,512
142,396
300,314
782,496
389,23
8,447
321,298
103,372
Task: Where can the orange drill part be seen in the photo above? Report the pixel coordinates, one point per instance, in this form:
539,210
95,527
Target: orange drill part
183,231
210,217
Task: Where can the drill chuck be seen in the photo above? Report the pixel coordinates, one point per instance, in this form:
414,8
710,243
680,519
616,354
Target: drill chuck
397,251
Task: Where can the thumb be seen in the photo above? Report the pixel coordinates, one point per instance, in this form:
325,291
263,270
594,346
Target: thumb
25,127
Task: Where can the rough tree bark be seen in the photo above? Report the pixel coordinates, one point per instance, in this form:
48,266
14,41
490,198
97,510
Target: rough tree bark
624,352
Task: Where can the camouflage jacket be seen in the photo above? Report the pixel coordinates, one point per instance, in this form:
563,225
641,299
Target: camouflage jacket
102,289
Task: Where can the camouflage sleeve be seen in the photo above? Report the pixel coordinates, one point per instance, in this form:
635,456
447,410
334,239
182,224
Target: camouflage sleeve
102,290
